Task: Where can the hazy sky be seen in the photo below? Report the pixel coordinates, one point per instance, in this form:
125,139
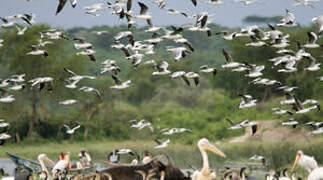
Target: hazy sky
229,14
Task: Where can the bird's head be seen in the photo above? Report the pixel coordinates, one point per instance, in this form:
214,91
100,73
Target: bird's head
298,156
205,144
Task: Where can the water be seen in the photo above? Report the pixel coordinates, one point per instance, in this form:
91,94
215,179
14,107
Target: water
8,166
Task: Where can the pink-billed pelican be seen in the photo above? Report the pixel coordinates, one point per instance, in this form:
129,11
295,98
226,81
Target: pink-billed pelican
304,161
310,164
205,173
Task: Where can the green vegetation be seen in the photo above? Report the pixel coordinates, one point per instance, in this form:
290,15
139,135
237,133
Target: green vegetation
36,117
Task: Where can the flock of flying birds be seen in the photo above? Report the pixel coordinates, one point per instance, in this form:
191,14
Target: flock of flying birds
136,50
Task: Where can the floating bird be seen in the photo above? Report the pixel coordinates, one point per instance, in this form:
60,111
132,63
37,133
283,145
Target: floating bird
71,131
119,84
161,144
205,173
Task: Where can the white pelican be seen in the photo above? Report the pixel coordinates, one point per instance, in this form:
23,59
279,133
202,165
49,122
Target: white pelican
304,161
308,163
205,173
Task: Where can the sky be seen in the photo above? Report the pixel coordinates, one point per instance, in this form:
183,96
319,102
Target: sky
230,14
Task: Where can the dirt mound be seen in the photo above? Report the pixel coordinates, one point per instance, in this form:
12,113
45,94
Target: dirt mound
272,131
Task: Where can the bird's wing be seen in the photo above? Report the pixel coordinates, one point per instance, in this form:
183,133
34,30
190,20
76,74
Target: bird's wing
143,8
70,72
228,58
75,128
254,129
73,3
231,122
129,4
194,2
116,80
60,6
66,126
158,141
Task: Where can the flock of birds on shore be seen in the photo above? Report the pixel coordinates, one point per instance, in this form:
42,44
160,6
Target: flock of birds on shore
136,50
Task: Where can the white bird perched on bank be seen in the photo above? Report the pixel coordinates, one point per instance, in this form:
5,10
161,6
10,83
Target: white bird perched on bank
68,102
161,144
247,101
119,84
172,131
71,130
